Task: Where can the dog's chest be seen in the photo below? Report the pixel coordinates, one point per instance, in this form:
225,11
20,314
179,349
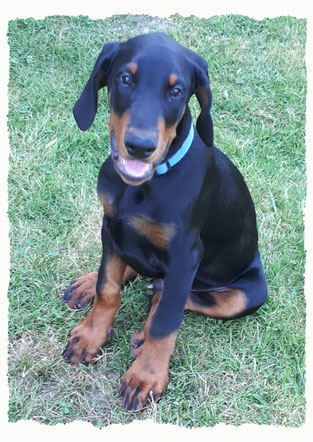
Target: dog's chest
139,233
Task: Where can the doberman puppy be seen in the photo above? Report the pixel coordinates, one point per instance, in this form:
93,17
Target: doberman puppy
175,209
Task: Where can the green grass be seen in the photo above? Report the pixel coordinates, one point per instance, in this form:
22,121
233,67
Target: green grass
247,371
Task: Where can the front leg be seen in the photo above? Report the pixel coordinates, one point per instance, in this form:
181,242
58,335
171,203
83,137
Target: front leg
86,340
149,373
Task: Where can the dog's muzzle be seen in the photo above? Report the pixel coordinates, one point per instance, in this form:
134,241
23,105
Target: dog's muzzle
132,170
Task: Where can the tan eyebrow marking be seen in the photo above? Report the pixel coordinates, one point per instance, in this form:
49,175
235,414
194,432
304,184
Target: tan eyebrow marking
173,79
133,68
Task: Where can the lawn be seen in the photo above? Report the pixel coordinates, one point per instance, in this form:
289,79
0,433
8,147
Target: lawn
246,371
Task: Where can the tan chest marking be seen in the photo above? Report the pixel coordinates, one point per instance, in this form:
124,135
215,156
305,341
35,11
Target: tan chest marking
107,203
158,234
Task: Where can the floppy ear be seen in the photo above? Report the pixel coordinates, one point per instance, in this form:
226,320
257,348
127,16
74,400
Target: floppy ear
85,107
201,87
204,97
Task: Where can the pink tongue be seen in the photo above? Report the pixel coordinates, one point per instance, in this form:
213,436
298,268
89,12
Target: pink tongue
136,168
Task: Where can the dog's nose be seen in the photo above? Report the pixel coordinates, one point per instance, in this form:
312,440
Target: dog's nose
139,147
139,151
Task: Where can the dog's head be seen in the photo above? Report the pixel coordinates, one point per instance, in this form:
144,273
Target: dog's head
150,80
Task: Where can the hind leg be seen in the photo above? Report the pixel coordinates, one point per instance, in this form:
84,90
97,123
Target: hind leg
241,298
82,290
222,303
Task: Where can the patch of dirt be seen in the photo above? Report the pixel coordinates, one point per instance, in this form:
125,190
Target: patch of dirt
46,389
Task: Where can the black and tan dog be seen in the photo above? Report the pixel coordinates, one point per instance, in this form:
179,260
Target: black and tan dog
175,209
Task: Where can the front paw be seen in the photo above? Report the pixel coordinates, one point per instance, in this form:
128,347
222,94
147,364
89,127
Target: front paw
141,382
84,344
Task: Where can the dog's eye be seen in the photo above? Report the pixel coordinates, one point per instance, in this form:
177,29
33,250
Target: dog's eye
176,91
126,79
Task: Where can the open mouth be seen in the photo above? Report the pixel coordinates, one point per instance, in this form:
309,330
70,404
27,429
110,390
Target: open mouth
132,171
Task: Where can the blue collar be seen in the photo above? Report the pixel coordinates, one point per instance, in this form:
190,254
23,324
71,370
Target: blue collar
179,155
